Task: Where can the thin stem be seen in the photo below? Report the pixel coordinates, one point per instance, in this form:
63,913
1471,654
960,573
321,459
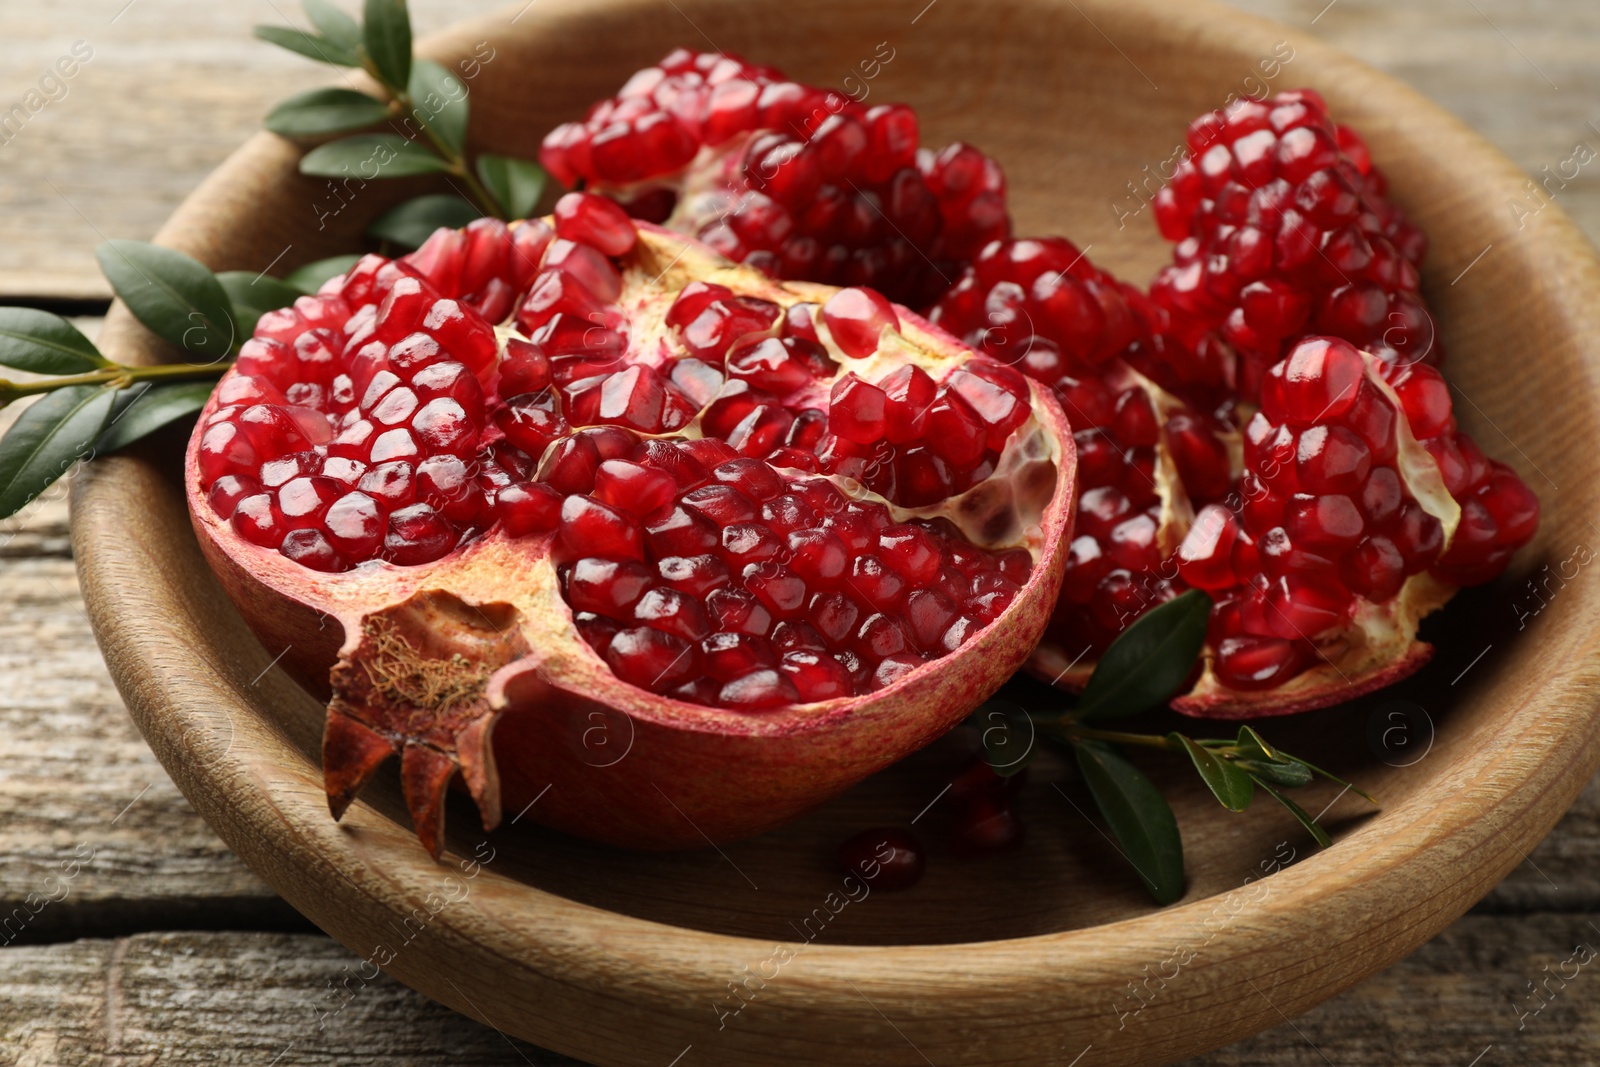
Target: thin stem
120,375
1117,737
457,161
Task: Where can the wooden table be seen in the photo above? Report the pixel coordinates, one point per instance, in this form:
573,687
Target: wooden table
159,946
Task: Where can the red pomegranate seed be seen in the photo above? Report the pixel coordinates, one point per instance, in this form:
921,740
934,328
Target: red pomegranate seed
856,319
886,858
596,221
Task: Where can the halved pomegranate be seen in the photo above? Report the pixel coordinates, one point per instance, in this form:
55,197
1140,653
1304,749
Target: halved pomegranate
801,182
679,551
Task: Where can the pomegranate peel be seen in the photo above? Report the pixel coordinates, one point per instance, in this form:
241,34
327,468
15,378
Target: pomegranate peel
458,645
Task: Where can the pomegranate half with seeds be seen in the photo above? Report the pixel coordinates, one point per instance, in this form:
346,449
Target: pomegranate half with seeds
799,181
677,550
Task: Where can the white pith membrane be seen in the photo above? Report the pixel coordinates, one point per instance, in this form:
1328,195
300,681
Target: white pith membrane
487,628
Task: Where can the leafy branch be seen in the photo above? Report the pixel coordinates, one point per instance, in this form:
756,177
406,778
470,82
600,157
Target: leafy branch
423,104
1143,669
90,405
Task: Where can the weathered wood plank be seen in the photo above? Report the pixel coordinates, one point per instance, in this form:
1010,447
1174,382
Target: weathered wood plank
170,89
175,999
96,838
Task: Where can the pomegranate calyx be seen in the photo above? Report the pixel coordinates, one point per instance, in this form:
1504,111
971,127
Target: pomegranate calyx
412,680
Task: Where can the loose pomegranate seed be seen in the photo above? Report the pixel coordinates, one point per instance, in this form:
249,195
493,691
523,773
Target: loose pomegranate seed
886,858
985,825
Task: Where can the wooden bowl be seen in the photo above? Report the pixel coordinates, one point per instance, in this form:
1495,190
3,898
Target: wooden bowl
753,953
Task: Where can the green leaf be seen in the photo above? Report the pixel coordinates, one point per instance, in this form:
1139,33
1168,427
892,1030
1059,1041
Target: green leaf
1008,737
43,343
388,39
140,411
253,295
47,439
1289,773
309,45
1228,783
309,278
439,99
1334,778
1139,818
334,24
1297,811
1149,661
516,183
414,221
321,111
176,296
371,155
1253,746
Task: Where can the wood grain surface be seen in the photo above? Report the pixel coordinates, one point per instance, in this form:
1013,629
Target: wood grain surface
172,89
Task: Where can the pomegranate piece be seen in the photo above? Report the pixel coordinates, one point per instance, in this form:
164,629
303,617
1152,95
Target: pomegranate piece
1282,229
1321,573
798,181
657,500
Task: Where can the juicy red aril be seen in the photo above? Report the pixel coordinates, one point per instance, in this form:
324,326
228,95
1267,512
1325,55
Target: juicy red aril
887,858
595,221
856,319
985,824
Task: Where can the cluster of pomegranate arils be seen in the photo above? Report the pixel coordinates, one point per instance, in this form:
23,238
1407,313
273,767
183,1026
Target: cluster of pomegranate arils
802,182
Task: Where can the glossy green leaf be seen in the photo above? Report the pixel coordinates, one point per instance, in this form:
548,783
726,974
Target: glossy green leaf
1008,736
439,100
334,24
516,183
309,278
1228,783
1334,778
1139,818
175,296
371,155
1254,746
48,439
386,31
43,343
253,295
414,221
1297,811
309,45
1149,661
140,410
1285,772
323,111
